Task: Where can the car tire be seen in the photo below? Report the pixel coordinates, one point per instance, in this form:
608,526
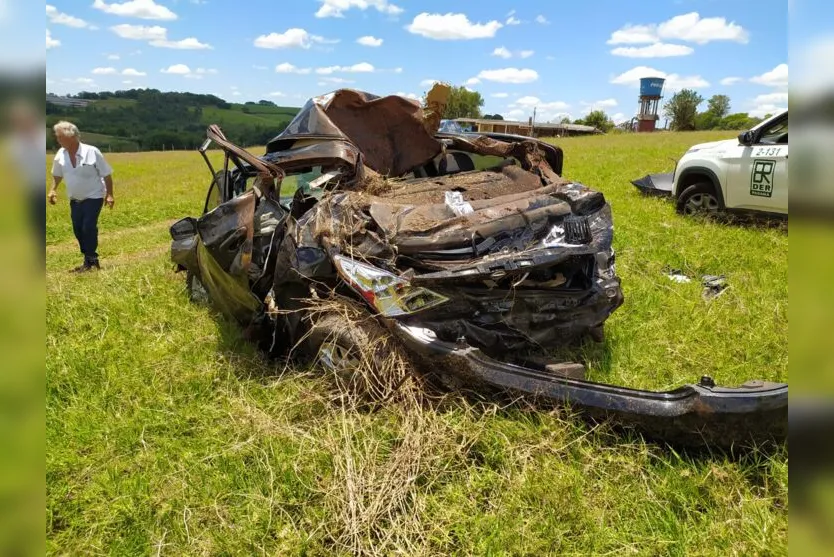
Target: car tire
698,199
365,360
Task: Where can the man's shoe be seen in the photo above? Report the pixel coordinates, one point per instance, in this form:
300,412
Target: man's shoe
87,266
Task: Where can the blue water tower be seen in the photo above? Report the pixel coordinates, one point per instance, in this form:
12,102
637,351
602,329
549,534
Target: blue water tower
651,91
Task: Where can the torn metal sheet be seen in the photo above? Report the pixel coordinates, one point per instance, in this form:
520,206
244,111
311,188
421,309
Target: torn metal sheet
656,184
714,286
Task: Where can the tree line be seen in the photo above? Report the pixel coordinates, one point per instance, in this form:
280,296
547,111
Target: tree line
681,110
151,120
683,115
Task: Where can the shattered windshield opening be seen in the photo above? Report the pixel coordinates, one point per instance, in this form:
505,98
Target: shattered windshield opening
296,181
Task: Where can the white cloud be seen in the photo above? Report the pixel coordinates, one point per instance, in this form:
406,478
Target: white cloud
777,77
127,82
730,80
472,81
428,82
104,71
513,21
502,52
79,80
450,27
765,109
541,19
673,81
531,102
772,98
337,80
510,75
291,38
634,34
60,18
656,50
50,42
236,93
133,72
769,103
113,56
398,70
411,96
190,43
604,104
286,67
524,106
204,71
277,94
177,69
619,118
369,40
336,8
500,95
140,32
141,9
362,67
689,27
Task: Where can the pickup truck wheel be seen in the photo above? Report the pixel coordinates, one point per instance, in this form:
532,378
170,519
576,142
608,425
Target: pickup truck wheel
363,357
698,198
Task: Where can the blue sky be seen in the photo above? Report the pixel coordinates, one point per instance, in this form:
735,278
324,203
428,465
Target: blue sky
560,57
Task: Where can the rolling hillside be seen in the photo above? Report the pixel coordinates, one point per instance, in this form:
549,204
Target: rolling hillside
150,120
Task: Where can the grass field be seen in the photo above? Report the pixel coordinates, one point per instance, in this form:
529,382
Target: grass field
168,434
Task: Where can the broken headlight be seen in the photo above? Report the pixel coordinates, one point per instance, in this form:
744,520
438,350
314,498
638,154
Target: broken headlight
389,294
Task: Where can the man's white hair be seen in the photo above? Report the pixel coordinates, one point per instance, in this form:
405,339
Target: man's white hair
67,129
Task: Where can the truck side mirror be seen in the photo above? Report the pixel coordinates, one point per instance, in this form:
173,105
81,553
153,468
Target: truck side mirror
746,138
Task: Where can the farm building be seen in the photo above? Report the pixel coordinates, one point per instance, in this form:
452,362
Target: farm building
524,128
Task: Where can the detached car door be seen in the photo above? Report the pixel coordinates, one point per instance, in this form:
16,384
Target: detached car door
759,180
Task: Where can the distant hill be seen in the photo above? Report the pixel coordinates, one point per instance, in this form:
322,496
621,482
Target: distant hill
151,120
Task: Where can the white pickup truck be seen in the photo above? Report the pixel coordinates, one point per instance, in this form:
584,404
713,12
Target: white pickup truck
743,175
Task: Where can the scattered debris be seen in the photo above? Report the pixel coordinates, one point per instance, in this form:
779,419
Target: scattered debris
714,285
676,275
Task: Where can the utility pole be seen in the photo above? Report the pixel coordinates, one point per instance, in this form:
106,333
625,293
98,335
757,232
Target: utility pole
533,127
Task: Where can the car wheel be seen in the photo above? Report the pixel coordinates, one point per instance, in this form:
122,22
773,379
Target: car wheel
698,199
363,357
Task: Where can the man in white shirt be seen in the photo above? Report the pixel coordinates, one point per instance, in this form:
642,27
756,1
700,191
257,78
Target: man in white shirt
89,180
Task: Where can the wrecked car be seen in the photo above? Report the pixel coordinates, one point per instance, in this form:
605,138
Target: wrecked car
475,254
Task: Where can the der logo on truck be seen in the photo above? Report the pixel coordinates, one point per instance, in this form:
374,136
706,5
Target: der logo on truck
761,179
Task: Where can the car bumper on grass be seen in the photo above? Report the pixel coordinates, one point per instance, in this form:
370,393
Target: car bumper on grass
656,184
694,415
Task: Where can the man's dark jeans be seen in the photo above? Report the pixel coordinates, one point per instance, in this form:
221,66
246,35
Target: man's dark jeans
84,216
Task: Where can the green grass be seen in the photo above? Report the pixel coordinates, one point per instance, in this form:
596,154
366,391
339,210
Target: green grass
259,115
166,432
